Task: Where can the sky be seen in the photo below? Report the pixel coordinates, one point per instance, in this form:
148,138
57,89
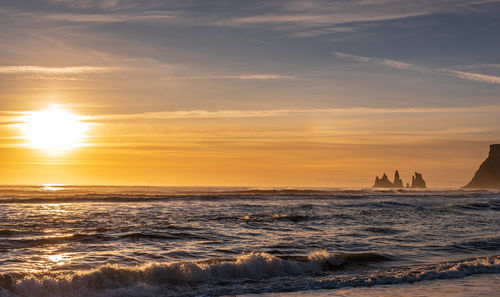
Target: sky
252,93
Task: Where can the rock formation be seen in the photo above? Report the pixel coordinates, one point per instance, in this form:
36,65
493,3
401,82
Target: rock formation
384,182
398,183
488,174
417,181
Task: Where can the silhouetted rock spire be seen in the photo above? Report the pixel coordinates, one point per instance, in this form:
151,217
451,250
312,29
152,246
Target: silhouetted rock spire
398,183
488,174
417,181
384,182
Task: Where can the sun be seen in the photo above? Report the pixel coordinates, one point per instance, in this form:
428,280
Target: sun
54,129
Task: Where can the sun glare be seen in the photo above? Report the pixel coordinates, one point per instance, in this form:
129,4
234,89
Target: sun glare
54,129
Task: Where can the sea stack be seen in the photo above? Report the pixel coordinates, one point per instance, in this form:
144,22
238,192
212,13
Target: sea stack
383,182
488,174
417,181
398,183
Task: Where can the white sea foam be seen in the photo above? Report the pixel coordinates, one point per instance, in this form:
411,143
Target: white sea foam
146,278
269,273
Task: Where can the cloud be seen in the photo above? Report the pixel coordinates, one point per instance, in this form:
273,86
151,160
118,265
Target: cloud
84,4
319,17
239,77
51,70
343,29
473,76
205,114
60,73
322,14
386,62
109,17
406,66
313,20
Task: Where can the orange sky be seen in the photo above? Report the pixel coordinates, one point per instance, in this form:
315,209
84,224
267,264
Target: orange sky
257,93
287,147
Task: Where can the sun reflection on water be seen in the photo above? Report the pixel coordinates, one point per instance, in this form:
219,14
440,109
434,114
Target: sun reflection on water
59,259
49,259
52,208
52,187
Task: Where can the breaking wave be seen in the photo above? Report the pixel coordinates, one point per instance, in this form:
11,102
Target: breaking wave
215,277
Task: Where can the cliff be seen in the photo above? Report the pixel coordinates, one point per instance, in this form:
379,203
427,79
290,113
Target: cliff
488,174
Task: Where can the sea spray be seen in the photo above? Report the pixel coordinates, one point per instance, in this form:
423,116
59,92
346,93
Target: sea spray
248,266
173,278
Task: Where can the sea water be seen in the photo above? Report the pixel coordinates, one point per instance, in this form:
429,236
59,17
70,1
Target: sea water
158,241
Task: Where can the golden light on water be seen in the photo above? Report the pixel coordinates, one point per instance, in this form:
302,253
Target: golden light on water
52,187
50,259
54,129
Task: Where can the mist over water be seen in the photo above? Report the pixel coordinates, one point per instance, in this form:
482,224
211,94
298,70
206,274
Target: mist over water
153,241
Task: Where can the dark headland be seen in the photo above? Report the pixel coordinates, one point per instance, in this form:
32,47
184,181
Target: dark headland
417,181
488,174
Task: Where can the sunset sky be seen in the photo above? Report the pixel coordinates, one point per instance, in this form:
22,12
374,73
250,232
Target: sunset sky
251,93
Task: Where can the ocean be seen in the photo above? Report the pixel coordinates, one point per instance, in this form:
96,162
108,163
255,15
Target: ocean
75,241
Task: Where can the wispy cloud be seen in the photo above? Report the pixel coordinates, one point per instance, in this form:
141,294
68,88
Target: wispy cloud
108,17
473,76
60,73
13,117
51,70
316,20
238,77
406,66
313,20
318,17
386,62
85,4
205,114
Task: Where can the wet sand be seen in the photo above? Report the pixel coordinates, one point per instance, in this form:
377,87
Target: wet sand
486,285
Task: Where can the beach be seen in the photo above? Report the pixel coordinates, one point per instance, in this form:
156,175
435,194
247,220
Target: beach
480,286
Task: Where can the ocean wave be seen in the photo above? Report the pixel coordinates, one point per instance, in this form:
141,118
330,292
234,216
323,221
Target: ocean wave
35,241
478,206
9,232
383,230
478,244
248,273
7,244
274,217
104,279
389,276
82,196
